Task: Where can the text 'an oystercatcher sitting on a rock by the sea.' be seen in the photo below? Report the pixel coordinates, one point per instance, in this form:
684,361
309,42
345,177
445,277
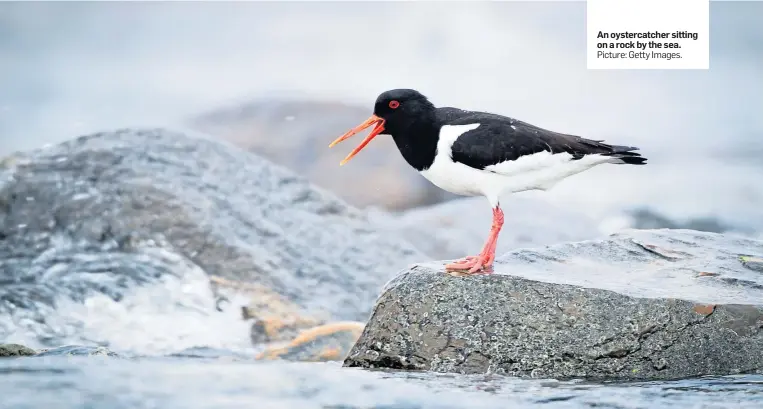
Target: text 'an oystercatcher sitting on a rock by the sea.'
475,153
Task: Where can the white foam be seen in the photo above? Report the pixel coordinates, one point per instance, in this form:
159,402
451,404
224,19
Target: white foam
168,316
176,312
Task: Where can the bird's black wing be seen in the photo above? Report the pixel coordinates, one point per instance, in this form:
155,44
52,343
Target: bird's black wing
499,139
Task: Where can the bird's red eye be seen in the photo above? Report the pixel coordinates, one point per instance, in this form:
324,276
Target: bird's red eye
394,104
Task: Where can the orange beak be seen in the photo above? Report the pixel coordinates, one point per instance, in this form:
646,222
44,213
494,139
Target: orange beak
373,120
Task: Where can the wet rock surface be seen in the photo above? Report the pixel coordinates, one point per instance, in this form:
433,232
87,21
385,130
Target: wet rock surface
103,214
17,350
296,133
77,350
641,305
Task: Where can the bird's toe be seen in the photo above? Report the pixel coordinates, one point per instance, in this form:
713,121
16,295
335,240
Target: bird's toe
470,264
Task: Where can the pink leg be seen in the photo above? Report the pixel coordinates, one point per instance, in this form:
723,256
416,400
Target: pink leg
485,259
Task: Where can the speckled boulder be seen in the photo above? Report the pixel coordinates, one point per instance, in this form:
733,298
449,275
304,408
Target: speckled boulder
640,305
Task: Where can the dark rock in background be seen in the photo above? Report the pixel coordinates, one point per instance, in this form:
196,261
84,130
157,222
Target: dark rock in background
640,305
15,350
105,213
296,134
77,350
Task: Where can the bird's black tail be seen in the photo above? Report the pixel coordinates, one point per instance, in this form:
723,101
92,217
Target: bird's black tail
627,155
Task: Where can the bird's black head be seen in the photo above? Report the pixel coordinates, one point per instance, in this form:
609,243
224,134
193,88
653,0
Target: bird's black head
397,112
400,108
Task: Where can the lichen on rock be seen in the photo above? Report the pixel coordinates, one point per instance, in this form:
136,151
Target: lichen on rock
634,306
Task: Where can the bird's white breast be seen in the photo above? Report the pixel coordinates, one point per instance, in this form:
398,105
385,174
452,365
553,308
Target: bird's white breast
448,175
538,171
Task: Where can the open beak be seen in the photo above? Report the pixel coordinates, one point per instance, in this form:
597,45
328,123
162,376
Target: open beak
378,128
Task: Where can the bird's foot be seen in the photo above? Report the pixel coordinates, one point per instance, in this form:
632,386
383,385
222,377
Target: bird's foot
483,262
471,264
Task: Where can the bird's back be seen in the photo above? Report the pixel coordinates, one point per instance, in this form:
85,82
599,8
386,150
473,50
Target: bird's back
511,138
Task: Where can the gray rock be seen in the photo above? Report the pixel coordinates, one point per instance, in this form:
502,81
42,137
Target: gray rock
642,305
8,350
77,350
296,133
103,214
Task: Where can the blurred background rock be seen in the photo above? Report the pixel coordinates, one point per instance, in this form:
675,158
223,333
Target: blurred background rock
294,133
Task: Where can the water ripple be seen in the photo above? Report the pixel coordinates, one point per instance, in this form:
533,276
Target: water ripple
101,382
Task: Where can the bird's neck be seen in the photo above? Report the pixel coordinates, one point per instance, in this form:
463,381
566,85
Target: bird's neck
417,142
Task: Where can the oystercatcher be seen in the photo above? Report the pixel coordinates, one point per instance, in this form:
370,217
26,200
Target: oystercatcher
475,153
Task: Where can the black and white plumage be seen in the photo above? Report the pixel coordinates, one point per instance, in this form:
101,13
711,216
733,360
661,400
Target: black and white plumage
478,153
